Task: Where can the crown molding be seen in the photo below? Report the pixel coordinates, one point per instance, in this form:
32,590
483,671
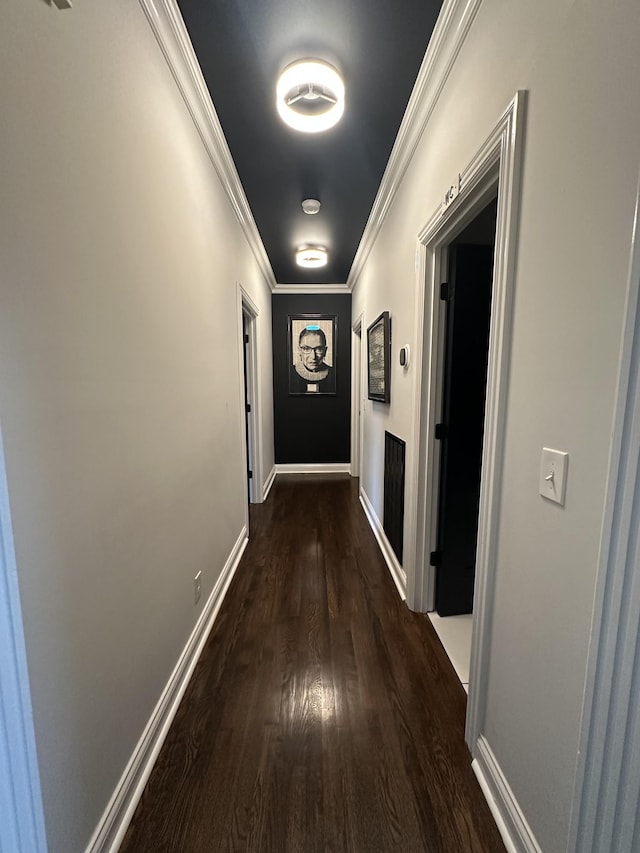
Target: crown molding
311,288
452,26
170,31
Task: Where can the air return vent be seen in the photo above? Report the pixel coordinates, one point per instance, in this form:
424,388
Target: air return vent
393,518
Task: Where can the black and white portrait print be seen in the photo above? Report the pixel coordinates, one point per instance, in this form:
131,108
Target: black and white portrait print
312,368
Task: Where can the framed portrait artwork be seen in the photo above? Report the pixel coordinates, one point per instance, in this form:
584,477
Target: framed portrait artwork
379,359
312,354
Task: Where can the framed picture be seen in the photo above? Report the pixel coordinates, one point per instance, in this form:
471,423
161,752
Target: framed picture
379,359
312,354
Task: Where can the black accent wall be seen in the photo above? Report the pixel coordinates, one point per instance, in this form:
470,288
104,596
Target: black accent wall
309,428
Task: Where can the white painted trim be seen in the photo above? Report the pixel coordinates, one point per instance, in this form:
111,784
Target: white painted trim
248,302
395,569
508,141
21,815
512,825
117,816
311,288
245,450
314,468
423,477
254,451
356,395
171,34
452,26
493,807
268,483
607,787
497,162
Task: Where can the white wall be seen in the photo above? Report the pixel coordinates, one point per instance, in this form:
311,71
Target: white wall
120,388
579,63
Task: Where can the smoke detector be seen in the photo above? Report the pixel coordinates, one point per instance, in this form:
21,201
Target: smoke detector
311,206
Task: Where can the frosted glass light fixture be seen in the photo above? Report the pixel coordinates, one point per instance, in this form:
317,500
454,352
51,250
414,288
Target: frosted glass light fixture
312,257
310,95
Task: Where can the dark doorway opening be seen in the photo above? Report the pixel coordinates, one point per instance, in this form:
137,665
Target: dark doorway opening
247,397
467,298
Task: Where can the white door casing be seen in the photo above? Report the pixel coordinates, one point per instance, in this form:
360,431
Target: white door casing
21,815
356,397
254,455
497,163
607,790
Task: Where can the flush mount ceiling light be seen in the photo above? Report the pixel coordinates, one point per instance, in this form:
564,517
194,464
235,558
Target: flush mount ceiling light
311,206
310,95
312,256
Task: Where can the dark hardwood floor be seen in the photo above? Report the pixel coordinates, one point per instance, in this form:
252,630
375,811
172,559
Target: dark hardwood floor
323,715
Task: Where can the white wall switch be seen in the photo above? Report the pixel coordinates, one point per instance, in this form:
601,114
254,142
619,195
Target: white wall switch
553,474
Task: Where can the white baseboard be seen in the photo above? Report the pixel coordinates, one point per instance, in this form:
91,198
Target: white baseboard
117,816
511,822
269,482
396,570
315,468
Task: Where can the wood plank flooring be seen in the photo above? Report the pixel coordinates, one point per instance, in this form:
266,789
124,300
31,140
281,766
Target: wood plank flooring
323,715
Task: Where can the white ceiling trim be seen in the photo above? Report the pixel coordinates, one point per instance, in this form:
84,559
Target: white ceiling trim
171,33
311,288
452,26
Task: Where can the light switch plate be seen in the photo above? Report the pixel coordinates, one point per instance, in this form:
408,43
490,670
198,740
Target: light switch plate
553,474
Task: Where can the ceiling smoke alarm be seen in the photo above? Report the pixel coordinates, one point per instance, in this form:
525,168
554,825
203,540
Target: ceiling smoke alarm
311,206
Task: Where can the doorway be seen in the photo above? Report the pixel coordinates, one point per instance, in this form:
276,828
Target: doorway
494,169
462,354
356,398
246,339
466,302
248,321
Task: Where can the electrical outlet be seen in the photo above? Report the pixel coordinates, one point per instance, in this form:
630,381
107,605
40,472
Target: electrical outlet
197,587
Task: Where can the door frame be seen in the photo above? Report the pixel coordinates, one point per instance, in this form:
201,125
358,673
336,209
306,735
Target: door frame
495,166
356,397
252,453
607,783
22,818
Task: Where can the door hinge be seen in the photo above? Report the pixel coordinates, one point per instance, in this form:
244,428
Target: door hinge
441,431
248,406
445,291
246,339
250,475
435,558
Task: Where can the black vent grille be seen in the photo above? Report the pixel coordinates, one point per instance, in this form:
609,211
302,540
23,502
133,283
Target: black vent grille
393,517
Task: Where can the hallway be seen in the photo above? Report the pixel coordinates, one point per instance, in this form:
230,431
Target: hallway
323,715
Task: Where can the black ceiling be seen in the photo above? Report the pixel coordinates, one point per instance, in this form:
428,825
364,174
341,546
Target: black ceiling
378,47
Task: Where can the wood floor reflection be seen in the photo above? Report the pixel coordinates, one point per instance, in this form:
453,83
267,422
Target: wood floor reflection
323,715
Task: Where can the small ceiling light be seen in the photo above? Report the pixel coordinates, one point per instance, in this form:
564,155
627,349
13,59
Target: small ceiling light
311,256
311,206
310,95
